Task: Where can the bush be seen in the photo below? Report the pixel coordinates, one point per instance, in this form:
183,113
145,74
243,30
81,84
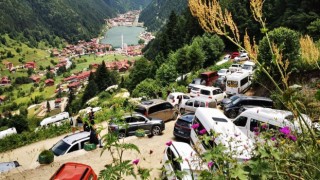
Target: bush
46,157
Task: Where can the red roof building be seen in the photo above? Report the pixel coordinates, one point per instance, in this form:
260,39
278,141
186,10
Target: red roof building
49,82
74,85
35,79
31,65
70,79
5,80
8,65
83,76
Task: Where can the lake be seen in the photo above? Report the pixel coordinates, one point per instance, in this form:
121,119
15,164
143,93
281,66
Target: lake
130,36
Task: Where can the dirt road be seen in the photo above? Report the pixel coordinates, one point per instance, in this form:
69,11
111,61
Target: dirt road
31,169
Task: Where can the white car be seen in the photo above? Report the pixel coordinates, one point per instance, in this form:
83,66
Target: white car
235,67
173,98
190,164
195,90
213,93
249,67
223,72
225,59
242,57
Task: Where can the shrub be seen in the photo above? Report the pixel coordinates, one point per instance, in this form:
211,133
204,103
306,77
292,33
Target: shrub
46,157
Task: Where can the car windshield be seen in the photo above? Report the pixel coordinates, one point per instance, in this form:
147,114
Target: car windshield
247,67
60,148
235,101
232,98
222,71
183,123
195,89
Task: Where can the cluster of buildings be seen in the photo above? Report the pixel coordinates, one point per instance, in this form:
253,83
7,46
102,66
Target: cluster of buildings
128,19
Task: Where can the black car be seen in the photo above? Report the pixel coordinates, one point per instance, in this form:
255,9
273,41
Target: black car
182,127
231,110
220,83
128,125
226,101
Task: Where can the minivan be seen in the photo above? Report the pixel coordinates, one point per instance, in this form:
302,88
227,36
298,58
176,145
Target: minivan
192,104
207,121
209,77
212,93
157,108
173,98
231,110
252,120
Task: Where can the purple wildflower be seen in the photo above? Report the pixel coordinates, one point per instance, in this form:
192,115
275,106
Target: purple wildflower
195,126
203,131
210,164
135,161
169,143
256,133
273,138
292,137
256,129
285,130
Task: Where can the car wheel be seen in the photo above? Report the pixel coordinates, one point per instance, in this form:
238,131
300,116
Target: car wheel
156,130
232,114
182,111
121,135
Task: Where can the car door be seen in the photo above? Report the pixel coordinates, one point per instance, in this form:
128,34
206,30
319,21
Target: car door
132,125
168,110
241,123
196,104
156,111
189,106
142,123
74,147
185,98
219,95
168,166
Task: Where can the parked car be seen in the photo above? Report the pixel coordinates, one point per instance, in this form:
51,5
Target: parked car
249,66
72,170
232,109
8,132
234,54
7,166
180,157
195,90
213,93
223,72
196,81
225,59
192,104
220,83
71,143
235,67
128,124
241,57
182,127
227,100
173,98
157,108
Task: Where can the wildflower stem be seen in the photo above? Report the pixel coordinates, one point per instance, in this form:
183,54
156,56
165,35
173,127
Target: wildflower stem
285,173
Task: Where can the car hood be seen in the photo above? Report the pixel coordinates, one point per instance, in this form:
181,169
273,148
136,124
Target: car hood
226,101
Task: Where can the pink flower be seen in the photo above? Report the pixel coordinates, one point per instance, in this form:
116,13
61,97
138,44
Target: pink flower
273,138
169,143
195,126
256,129
285,130
292,137
203,131
210,164
135,162
264,126
256,133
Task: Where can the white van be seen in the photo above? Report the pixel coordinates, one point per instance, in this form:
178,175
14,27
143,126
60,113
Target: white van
249,66
252,119
229,135
192,104
8,132
56,119
238,83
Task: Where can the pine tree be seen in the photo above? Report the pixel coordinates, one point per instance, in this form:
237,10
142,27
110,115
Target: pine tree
101,78
48,107
91,89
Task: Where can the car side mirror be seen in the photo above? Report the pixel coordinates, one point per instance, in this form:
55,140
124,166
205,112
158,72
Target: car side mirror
145,121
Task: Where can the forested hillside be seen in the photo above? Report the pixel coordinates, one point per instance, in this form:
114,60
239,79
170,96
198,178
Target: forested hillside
32,21
157,12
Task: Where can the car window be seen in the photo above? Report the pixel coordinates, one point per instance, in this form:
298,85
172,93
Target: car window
214,92
139,118
82,143
167,106
241,121
133,119
155,108
196,103
189,103
75,147
204,92
253,124
128,119
186,97
202,104
219,91
140,109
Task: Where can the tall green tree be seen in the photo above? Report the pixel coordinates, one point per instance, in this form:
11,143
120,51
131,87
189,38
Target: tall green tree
48,107
91,89
102,77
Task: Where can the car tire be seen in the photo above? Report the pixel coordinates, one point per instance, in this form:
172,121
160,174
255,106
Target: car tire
156,131
182,111
232,114
121,135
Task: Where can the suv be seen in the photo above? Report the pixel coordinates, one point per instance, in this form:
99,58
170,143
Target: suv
212,93
220,83
71,143
157,108
182,127
196,81
235,67
231,110
180,157
71,170
192,104
173,98
131,123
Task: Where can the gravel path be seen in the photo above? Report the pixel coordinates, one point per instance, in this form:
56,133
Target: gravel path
31,169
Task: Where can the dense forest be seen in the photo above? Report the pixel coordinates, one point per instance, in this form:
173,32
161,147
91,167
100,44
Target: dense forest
32,21
157,12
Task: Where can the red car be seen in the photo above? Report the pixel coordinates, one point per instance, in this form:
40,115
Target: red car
235,54
74,171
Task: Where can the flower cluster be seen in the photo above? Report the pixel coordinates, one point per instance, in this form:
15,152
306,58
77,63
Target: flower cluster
287,132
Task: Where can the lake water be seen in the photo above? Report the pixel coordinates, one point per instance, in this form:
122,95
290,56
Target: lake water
130,35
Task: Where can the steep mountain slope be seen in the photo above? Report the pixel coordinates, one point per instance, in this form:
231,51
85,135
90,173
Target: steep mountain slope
157,12
35,20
